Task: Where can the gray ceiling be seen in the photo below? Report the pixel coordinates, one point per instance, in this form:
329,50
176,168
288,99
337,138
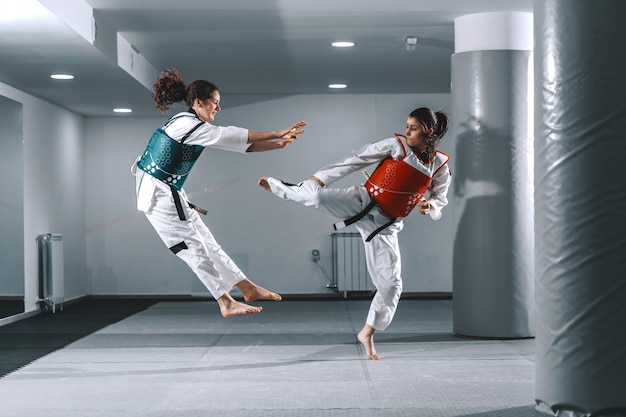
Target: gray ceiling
252,49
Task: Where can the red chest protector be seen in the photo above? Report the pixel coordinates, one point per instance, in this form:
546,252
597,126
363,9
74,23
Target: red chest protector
397,187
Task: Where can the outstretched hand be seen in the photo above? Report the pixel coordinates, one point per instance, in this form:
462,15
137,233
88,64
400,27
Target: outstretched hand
278,139
292,132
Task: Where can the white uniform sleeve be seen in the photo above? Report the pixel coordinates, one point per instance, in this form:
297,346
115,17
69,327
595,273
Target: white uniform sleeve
367,155
438,191
228,138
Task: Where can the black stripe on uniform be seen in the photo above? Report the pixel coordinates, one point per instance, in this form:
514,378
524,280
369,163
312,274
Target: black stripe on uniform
178,247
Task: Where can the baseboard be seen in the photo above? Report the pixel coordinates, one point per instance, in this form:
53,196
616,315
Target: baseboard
286,297
18,317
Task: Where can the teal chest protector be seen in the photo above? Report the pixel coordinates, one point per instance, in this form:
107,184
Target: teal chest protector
169,160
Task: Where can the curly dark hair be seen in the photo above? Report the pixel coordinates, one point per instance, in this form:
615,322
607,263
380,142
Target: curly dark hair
437,121
170,88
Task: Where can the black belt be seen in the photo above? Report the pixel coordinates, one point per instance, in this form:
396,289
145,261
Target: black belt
179,205
359,216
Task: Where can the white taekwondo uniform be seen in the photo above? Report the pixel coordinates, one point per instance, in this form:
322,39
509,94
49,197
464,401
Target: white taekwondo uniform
382,251
190,239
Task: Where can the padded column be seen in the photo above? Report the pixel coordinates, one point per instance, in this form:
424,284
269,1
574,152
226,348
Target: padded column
492,89
580,194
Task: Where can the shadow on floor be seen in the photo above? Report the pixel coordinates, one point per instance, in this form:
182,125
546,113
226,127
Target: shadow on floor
27,340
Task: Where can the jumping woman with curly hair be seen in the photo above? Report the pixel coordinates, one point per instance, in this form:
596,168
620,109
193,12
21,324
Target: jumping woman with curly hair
163,168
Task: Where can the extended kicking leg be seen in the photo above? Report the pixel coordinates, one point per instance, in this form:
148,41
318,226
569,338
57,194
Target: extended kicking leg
304,193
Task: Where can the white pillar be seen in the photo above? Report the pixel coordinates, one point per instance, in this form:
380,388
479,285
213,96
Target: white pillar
494,31
492,96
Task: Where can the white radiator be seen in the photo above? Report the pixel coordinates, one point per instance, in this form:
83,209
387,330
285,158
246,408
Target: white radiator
51,276
349,266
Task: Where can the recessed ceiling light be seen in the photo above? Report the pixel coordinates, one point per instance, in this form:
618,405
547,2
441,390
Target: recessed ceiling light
343,44
337,85
411,41
24,10
62,76
122,110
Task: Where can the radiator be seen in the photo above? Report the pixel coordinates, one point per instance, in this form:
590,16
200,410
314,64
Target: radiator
349,267
51,276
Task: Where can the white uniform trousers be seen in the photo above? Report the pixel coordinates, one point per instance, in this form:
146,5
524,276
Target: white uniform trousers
192,241
382,253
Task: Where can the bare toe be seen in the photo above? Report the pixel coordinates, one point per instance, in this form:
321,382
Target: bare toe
264,184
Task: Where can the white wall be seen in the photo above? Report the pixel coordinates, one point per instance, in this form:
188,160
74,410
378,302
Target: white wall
11,200
54,196
270,239
77,182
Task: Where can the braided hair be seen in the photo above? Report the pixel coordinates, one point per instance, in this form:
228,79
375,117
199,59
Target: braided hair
429,119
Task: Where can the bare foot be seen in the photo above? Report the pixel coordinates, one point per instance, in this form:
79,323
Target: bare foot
366,337
264,184
230,307
252,292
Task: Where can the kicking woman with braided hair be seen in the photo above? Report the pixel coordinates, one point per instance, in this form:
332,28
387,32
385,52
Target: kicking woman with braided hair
162,169
411,172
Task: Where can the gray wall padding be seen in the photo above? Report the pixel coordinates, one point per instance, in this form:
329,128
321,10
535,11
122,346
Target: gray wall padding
580,194
492,174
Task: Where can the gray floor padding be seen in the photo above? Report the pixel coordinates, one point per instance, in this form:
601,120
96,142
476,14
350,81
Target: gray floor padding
296,358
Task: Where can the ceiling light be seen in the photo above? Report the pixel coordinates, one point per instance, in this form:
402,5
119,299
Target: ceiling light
23,10
343,44
62,76
411,41
337,85
122,110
